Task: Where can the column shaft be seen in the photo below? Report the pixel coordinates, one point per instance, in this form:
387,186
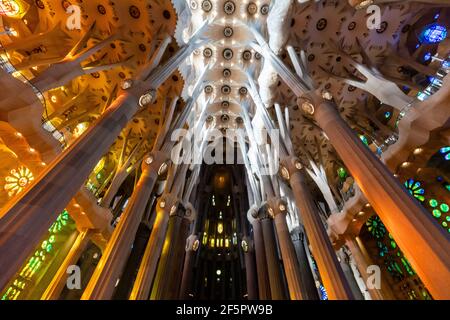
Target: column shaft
188,275
351,280
261,263
363,261
273,265
59,280
26,218
307,279
251,275
149,262
423,241
109,269
329,268
290,262
171,262
125,285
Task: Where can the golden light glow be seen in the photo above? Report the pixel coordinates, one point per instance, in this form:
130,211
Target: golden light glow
18,180
99,166
13,8
220,227
79,129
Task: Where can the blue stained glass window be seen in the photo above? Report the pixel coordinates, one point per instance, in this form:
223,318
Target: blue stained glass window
415,189
433,33
323,293
364,140
445,151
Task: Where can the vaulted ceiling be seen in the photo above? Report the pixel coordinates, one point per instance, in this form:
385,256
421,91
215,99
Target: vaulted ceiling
328,39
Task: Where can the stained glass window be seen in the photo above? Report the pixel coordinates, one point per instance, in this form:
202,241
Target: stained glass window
376,227
445,151
433,33
415,189
342,173
386,252
364,139
438,208
41,259
323,293
387,115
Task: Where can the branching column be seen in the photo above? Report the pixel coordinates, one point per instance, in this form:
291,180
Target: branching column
273,264
307,279
192,245
24,220
250,269
363,261
167,282
59,280
329,267
103,281
261,263
278,208
423,241
147,268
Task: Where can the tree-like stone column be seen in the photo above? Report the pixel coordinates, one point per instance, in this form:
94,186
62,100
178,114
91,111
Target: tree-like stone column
26,218
192,245
149,262
329,268
273,264
261,263
58,283
166,285
363,262
423,241
110,267
250,268
307,279
278,209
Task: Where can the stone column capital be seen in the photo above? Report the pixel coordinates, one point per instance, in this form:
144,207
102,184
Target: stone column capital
252,213
258,213
288,166
157,161
192,243
309,101
276,206
265,211
247,244
168,204
140,91
190,213
360,4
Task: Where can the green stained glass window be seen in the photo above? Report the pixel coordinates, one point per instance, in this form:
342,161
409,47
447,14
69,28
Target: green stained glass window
445,151
436,213
415,189
407,266
444,207
342,173
433,203
383,250
364,140
376,227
